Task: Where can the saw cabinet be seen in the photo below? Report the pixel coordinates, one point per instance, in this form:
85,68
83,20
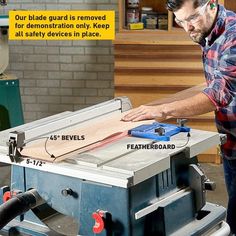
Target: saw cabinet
151,64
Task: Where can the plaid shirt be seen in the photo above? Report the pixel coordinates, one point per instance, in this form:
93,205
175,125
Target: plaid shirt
219,59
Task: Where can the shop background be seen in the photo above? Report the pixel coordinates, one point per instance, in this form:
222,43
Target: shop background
57,76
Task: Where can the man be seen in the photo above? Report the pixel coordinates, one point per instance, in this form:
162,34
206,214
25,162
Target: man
214,29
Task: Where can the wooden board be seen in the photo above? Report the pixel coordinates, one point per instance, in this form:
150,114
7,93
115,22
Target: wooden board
96,132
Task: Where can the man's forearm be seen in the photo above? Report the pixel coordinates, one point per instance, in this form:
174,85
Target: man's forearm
180,95
191,106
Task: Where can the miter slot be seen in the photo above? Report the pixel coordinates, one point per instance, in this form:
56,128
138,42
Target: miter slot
105,154
88,159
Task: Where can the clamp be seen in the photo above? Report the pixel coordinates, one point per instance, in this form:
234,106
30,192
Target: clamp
16,141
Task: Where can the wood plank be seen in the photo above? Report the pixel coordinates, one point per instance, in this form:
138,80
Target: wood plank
153,37
150,64
142,96
121,15
95,131
156,86
155,50
158,70
158,47
207,125
160,56
207,158
152,79
230,5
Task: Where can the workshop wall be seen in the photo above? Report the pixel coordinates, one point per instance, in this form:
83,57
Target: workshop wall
56,76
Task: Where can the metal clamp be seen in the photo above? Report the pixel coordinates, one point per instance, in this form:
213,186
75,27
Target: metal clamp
16,140
181,122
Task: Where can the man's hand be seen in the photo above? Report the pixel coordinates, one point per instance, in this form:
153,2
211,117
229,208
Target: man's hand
145,113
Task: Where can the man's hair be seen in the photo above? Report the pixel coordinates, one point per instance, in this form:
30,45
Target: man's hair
174,5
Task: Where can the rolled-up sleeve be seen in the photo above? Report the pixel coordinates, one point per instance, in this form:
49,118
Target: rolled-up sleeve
222,86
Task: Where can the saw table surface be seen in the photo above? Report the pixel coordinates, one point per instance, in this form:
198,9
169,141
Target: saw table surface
104,152
115,164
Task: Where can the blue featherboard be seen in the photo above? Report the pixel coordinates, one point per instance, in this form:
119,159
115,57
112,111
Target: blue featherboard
150,131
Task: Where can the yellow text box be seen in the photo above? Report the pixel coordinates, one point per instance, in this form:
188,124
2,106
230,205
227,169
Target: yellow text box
61,25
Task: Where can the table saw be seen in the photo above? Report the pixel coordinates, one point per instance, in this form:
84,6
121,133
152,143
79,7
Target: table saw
101,180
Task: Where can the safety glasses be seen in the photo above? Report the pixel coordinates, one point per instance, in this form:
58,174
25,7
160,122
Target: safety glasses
193,19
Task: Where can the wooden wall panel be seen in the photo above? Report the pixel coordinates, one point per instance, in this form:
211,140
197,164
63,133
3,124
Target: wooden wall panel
144,95
153,79
231,5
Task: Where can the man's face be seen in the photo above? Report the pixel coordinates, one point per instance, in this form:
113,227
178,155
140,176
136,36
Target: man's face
196,22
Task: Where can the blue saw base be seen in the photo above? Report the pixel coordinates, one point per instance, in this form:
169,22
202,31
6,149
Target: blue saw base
157,131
